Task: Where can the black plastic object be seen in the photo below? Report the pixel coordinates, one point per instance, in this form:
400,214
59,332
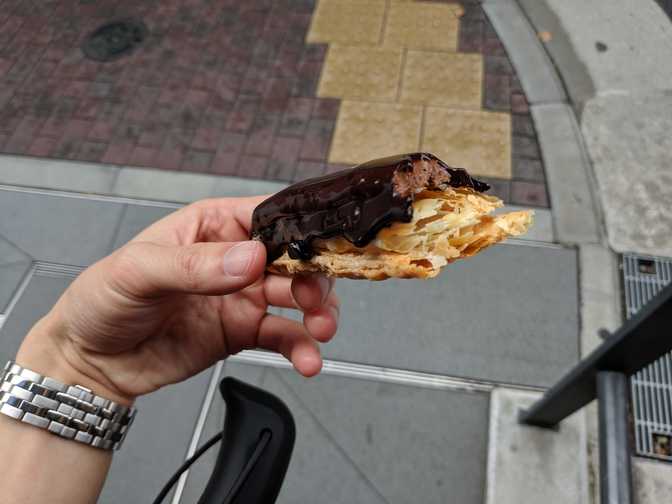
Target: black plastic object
259,434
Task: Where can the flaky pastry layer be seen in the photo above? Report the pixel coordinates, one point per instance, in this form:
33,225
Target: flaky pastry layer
446,226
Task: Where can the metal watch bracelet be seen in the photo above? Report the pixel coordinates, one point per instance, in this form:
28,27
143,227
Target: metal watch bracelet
70,411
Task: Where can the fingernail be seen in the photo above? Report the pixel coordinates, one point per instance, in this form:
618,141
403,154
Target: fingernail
238,259
325,287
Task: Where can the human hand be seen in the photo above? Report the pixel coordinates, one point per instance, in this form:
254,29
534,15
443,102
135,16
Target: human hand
187,291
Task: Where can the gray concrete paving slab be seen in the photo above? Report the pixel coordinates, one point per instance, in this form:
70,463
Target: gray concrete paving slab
157,443
413,444
35,301
600,295
652,481
509,315
624,44
533,66
568,174
14,264
321,468
57,174
163,185
369,442
59,229
528,464
10,253
629,142
11,276
136,218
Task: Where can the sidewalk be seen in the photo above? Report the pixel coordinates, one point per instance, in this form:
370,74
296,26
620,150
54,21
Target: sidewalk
243,98
267,89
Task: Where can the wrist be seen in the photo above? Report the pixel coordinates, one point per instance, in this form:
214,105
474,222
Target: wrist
47,350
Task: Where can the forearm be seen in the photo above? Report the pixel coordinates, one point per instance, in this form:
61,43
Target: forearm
39,466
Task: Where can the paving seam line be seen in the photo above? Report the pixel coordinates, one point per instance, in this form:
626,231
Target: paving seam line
198,428
91,196
17,287
385,374
491,460
18,292
16,247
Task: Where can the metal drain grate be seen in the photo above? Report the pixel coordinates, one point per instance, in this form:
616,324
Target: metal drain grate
651,388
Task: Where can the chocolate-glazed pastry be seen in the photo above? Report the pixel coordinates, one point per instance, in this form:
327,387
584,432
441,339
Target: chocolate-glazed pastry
405,216
355,204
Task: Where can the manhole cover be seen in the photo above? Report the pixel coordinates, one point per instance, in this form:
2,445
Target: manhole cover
115,39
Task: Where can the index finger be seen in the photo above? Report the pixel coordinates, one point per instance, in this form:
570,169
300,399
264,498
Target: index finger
242,208
213,219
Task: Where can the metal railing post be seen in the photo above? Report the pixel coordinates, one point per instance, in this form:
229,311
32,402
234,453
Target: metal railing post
615,470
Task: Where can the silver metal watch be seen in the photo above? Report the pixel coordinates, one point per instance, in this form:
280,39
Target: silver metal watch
70,411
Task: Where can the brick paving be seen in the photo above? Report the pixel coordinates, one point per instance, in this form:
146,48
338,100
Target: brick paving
502,92
221,86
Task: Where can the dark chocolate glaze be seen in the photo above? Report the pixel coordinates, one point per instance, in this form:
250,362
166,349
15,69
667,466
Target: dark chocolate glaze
354,203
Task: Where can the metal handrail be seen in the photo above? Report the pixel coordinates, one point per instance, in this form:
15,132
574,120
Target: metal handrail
603,375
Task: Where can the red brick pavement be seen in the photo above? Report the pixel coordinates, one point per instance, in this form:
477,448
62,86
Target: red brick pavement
502,92
219,86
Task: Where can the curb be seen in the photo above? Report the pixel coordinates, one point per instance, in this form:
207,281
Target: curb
125,182
533,65
576,216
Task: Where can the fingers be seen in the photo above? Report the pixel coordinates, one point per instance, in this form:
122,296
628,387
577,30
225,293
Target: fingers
320,312
216,219
311,292
308,293
322,323
278,291
147,269
237,210
292,340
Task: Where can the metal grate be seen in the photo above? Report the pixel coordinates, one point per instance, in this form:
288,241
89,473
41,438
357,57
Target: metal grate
651,388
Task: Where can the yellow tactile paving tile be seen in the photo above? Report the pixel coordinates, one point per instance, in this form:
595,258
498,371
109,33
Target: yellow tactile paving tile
353,22
422,25
479,141
446,79
361,72
454,4
367,131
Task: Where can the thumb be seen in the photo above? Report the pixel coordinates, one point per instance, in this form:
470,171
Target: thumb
148,269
